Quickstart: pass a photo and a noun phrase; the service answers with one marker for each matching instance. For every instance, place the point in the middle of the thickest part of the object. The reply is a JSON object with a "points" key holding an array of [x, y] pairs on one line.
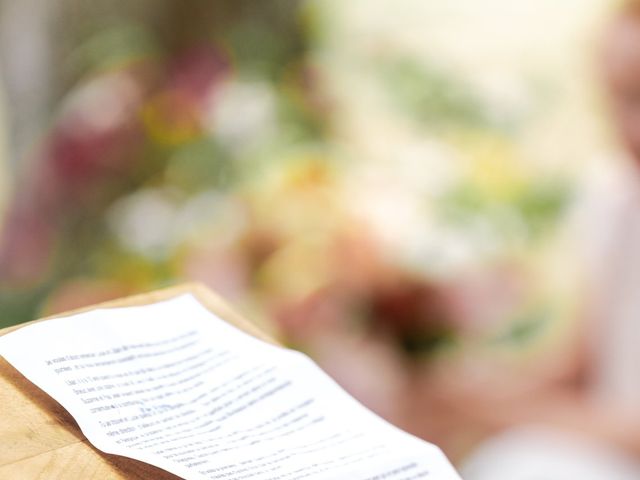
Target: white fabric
{"points": [[543, 454], [609, 231]]}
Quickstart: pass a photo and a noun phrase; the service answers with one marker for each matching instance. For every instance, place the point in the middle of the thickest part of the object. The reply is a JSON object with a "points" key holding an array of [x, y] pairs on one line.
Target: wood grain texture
{"points": [[40, 440]]}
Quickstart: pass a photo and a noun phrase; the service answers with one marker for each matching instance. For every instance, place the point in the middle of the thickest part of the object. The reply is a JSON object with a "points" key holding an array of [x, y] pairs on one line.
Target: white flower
{"points": [[241, 113]]}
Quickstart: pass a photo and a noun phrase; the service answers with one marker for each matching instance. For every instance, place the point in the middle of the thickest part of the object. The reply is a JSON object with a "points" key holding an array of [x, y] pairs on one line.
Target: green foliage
{"points": [[422, 344], [199, 165], [526, 327], [434, 98], [114, 46], [527, 214]]}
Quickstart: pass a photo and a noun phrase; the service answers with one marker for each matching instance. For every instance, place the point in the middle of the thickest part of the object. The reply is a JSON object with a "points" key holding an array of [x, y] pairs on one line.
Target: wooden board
{"points": [[40, 440]]}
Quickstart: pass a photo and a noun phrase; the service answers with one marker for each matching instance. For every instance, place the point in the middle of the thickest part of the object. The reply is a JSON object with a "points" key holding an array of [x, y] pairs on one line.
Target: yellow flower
{"points": [[170, 118], [493, 167]]}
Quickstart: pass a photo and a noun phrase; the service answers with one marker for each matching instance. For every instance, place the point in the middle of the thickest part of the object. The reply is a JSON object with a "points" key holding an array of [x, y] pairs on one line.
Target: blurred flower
{"points": [[352, 185], [225, 270], [26, 244], [96, 128], [174, 114], [80, 292], [144, 222], [413, 312], [172, 118], [242, 114], [482, 300]]}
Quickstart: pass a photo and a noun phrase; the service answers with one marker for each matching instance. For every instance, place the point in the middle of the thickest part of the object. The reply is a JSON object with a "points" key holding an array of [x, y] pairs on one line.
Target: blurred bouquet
{"points": [[366, 206]]}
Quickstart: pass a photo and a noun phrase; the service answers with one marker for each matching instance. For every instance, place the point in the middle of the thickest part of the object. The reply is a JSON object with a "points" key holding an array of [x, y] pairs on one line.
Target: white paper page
{"points": [[172, 385]]}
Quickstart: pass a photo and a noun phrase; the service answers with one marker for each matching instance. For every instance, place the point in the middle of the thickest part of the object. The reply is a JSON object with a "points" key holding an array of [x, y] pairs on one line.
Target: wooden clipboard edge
{"points": [[212, 301], [56, 457]]}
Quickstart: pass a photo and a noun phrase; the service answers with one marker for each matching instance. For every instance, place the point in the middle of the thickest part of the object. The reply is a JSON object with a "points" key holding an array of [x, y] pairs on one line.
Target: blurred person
{"points": [[587, 424]]}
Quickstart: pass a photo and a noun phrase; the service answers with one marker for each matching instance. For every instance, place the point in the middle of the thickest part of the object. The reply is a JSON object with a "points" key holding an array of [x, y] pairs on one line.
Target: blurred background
{"points": [[396, 188]]}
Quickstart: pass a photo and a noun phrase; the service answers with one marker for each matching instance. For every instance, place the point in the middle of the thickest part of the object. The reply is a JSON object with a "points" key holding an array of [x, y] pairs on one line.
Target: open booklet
{"points": [[173, 385]]}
